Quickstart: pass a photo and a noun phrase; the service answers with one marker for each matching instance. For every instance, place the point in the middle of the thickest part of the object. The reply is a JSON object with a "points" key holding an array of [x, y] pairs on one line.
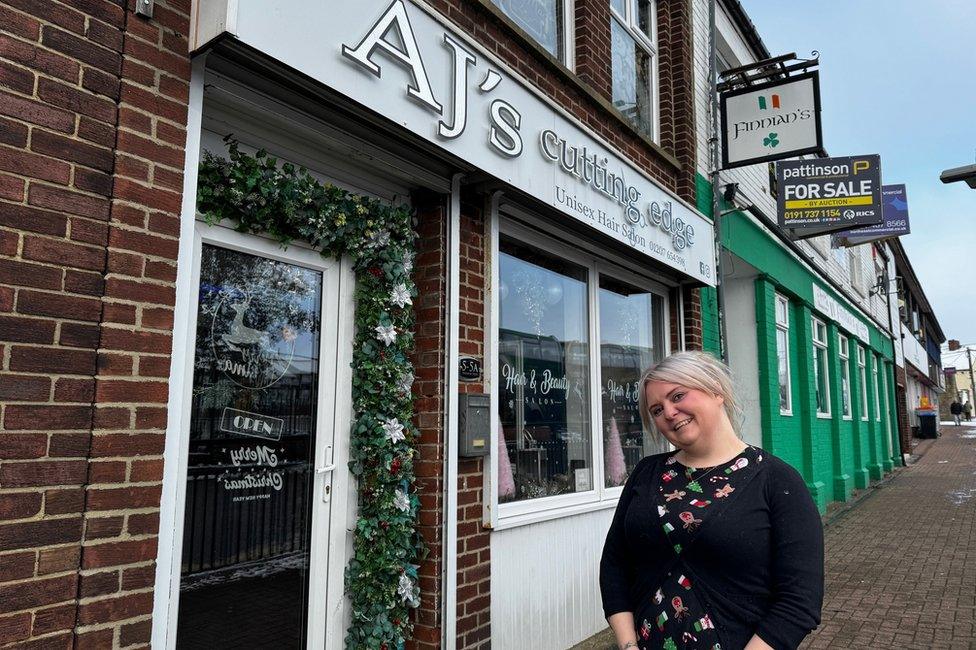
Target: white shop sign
{"points": [[400, 61], [826, 303]]}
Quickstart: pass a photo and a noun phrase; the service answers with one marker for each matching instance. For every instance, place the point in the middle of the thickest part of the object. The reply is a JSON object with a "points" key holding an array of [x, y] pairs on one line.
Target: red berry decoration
{"points": [[376, 272], [395, 466]]}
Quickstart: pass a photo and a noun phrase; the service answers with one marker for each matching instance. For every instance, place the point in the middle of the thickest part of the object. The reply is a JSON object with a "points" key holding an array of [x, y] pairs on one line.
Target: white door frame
{"points": [[326, 618]]}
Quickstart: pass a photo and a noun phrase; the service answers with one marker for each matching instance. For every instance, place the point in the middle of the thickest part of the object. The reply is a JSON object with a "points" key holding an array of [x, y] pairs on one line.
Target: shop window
{"points": [[544, 382], [554, 384], [631, 339], [877, 398], [783, 354], [863, 377], [544, 20], [821, 368], [845, 376], [633, 43], [855, 271]]}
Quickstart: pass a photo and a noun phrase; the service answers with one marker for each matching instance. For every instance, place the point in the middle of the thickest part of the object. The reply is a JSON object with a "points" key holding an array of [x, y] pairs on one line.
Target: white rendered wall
{"points": [[740, 308]]}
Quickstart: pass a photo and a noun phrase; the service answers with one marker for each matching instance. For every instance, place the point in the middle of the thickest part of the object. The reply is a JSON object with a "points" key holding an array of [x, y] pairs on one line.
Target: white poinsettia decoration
{"points": [[405, 383], [401, 501], [380, 239], [400, 296], [407, 263], [386, 333], [394, 430], [406, 589]]}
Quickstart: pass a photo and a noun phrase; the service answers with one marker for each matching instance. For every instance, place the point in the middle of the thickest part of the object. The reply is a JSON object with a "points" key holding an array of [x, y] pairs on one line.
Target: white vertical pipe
{"points": [[450, 501]]}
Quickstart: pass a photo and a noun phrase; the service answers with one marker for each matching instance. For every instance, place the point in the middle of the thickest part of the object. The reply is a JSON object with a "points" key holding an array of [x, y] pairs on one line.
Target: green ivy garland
{"points": [[260, 196]]}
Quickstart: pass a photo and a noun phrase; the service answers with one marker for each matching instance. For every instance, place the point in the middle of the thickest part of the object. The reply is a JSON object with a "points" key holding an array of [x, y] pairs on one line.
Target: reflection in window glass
{"points": [[631, 339], [543, 363], [541, 19], [644, 17], [845, 377], [631, 78], [820, 368], [783, 354]]}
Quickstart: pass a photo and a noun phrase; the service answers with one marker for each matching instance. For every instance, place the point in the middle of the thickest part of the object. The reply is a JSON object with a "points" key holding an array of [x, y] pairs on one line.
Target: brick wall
{"points": [[488, 25], [93, 115], [428, 391], [473, 549]]}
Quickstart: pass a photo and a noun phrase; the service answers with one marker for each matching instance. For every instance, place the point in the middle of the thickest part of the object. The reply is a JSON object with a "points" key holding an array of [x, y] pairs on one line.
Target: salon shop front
{"points": [[331, 479]]}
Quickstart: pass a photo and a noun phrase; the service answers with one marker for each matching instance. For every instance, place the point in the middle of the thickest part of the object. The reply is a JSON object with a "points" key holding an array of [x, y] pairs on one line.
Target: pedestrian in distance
{"points": [[956, 410], [967, 410], [717, 544]]}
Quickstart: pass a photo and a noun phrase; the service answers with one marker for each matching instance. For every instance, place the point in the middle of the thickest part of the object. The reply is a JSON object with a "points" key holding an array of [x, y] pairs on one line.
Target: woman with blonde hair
{"points": [[717, 544]]}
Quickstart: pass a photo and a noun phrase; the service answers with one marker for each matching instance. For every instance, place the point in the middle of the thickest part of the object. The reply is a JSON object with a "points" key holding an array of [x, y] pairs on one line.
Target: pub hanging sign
{"points": [[771, 121]]}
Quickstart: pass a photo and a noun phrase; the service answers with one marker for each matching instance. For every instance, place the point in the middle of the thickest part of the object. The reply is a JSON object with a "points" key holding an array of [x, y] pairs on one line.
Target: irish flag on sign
{"points": [[704, 623]]}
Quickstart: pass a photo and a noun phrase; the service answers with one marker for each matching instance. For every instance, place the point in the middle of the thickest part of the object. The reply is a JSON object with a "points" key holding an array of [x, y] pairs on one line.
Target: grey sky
{"points": [[897, 79]]}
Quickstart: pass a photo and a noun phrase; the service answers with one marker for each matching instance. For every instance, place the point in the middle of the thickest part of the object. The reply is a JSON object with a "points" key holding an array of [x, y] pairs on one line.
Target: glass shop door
{"points": [[254, 496]]}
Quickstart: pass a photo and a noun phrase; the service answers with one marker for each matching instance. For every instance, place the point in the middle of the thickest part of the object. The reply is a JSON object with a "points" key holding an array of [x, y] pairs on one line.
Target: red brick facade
{"points": [[428, 390], [93, 110], [93, 128]]}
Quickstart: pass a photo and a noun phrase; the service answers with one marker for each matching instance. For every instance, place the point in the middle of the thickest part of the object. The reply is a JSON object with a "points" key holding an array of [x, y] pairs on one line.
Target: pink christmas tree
{"points": [[506, 483], [615, 464]]}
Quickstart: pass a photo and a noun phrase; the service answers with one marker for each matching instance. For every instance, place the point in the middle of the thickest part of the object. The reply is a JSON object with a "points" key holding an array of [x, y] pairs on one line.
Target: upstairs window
{"points": [[546, 21], [633, 44]]}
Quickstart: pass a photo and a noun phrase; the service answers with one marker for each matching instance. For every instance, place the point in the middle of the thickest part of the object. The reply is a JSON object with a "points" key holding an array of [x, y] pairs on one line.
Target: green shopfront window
{"points": [[821, 369], [845, 376], [631, 339], [544, 375]]}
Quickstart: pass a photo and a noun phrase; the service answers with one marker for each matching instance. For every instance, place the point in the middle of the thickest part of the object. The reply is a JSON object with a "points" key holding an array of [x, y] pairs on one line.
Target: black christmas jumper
{"points": [[752, 565]]}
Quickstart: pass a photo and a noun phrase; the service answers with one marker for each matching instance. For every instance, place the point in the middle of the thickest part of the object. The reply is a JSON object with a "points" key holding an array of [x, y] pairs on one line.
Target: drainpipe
{"points": [[716, 177], [450, 499]]}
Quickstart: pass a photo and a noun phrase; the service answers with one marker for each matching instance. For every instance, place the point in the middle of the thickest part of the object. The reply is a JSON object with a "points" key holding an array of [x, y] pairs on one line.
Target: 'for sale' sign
{"points": [[825, 195]]}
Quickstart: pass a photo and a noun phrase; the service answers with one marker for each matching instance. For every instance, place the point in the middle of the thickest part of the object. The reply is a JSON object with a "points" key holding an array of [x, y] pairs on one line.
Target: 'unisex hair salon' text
{"points": [[592, 170]]}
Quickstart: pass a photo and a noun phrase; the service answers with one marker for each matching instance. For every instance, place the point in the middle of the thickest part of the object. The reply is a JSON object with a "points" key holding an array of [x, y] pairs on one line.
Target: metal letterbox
{"points": [[474, 431]]}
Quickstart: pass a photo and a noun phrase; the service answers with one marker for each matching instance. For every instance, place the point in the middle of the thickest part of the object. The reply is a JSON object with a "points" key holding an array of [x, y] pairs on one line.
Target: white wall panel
{"points": [[545, 582]]}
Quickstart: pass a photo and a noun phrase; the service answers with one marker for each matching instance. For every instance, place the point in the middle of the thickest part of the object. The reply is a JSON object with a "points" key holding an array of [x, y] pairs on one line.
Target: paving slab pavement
{"points": [[901, 557], [901, 563]]}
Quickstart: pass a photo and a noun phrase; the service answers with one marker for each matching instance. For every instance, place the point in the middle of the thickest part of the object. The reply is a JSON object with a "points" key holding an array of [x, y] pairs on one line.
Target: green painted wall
{"points": [[834, 454]]}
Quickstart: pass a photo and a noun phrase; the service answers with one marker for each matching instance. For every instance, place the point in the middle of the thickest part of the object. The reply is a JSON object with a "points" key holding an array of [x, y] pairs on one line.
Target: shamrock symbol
{"points": [[771, 140]]}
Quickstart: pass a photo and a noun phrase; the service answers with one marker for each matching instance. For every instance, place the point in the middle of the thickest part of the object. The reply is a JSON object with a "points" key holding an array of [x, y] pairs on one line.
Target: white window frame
{"points": [[568, 34], [599, 497], [649, 44], [821, 344], [877, 394], [863, 375], [844, 352], [783, 325]]}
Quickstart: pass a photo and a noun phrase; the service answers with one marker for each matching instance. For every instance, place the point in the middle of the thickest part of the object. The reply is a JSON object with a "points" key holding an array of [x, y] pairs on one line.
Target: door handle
{"points": [[326, 469]]}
